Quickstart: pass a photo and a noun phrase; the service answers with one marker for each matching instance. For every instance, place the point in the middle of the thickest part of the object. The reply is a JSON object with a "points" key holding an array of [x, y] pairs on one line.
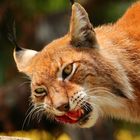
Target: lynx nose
{"points": [[64, 107]]}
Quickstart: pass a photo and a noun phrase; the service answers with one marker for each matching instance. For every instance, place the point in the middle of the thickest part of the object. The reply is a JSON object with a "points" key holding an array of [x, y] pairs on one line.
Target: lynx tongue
{"points": [[70, 117]]}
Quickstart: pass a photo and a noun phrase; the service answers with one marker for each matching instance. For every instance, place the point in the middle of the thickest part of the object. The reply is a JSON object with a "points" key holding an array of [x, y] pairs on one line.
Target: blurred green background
{"points": [[38, 22]]}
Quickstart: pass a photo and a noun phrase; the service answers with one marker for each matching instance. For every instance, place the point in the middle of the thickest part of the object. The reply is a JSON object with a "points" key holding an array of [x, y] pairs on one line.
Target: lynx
{"points": [[89, 73]]}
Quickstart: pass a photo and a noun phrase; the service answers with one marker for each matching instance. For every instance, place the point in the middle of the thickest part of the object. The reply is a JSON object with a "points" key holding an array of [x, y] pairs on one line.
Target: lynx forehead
{"points": [[88, 73]]}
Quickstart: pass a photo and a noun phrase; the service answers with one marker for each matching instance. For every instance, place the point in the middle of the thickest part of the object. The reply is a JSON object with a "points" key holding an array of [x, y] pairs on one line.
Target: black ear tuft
{"points": [[12, 36], [72, 2]]}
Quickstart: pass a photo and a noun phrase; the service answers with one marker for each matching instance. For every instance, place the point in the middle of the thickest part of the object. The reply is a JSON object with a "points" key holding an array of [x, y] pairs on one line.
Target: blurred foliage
{"points": [[31, 7], [117, 9], [122, 134], [125, 134], [64, 136], [36, 135]]}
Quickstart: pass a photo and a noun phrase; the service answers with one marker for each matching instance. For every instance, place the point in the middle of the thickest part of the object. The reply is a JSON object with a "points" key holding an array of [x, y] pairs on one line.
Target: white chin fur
{"points": [[91, 121]]}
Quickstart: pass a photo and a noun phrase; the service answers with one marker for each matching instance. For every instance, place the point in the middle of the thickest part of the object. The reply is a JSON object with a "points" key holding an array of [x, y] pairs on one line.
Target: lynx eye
{"points": [[40, 92], [67, 71]]}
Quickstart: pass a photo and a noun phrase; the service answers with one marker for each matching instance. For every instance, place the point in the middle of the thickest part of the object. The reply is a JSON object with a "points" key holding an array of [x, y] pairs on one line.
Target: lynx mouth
{"points": [[79, 116]]}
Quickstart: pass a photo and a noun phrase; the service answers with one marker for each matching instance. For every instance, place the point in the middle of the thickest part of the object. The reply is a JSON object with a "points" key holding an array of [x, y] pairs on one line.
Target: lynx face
{"points": [[71, 79]]}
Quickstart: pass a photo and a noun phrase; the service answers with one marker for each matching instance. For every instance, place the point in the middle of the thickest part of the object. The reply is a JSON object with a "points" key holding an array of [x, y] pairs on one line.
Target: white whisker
{"points": [[32, 113], [22, 84]]}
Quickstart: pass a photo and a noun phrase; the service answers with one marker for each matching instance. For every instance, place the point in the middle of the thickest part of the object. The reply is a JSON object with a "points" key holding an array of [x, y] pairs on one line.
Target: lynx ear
{"points": [[22, 58], [81, 30]]}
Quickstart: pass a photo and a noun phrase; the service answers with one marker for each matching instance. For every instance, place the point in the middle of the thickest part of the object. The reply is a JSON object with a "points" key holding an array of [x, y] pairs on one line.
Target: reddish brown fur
{"points": [[125, 37], [127, 29], [114, 64]]}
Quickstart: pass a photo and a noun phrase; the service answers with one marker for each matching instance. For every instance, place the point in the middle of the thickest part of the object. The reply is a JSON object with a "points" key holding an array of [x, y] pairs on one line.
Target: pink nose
{"points": [[64, 107]]}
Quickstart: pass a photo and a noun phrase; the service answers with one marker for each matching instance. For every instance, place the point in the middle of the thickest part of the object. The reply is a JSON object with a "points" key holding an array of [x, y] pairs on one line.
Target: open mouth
{"points": [[80, 116]]}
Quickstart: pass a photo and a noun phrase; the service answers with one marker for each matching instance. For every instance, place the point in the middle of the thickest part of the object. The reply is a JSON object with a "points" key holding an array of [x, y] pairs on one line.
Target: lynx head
{"points": [[71, 80]]}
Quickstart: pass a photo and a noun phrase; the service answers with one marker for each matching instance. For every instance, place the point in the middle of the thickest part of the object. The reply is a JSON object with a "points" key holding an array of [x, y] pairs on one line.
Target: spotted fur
{"points": [[106, 72]]}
